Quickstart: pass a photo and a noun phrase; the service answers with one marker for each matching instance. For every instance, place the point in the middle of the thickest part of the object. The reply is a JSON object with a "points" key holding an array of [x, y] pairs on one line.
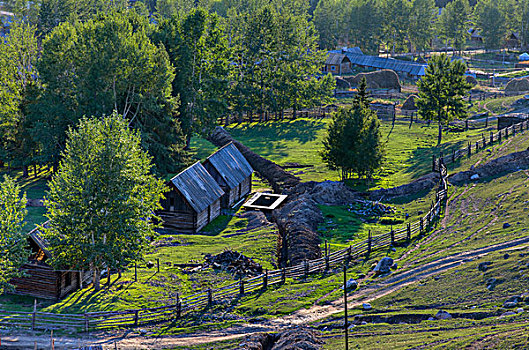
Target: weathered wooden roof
{"points": [[43, 244], [198, 187], [231, 165], [335, 58]]}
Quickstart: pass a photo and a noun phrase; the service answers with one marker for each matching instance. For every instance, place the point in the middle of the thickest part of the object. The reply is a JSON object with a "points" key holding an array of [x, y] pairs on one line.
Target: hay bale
{"points": [[517, 86], [409, 104], [381, 79], [470, 79], [342, 84]]}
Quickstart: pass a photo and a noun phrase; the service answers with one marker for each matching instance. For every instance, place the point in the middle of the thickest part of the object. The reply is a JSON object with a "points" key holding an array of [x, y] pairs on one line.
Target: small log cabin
{"points": [[42, 281], [232, 172], [193, 202]]}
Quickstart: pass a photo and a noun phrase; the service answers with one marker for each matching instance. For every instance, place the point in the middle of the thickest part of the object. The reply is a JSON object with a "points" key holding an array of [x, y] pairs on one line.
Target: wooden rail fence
{"points": [[486, 140], [204, 299]]}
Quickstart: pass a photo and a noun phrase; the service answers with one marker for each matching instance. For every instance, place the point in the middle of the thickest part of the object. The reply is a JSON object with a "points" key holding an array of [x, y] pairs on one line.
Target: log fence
{"points": [[472, 148], [205, 299]]}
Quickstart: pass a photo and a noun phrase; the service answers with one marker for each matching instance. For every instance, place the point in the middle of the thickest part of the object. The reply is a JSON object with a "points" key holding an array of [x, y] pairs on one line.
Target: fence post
{"points": [[433, 162], [265, 279], [135, 272], [499, 136], [484, 140], [477, 146], [349, 253], [136, 316], [392, 233], [487, 121], [453, 156], [491, 138], [408, 232], [241, 286], [34, 316], [469, 149], [326, 256], [306, 269], [178, 306], [86, 323], [421, 225], [283, 275], [158, 265], [514, 130], [369, 238], [466, 124], [210, 297]]}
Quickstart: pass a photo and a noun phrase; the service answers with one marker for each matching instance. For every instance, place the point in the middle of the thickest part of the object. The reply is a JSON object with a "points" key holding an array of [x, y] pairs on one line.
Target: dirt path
{"points": [[370, 292]]}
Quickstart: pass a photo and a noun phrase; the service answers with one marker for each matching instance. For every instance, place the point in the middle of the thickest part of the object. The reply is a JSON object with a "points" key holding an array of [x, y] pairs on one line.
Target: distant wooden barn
{"points": [[232, 172], [41, 279], [193, 201]]}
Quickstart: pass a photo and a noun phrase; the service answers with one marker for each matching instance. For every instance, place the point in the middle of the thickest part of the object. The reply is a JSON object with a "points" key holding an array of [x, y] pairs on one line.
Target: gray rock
{"points": [[366, 306], [511, 302], [394, 266], [508, 313], [383, 266], [519, 310], [393, 249], [363, 323], [351, 284], [443, 315], [474, 177], [506, 225], [431, 318], [484, 266], [506, 255]]}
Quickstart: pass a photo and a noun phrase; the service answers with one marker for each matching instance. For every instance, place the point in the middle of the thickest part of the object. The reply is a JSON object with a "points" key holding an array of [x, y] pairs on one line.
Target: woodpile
{"points": [[233, 262]]}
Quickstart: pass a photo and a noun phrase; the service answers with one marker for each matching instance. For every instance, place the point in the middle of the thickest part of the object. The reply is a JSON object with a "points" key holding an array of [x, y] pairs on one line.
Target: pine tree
{"points": [[353, 144]]}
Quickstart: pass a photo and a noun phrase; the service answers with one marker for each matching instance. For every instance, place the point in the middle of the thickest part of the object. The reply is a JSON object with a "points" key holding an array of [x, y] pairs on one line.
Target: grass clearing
{"points": [[409, 150]]}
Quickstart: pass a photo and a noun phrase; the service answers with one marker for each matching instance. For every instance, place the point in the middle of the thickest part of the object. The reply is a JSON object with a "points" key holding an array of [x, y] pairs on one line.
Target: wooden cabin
{"points": [[193, 202], [232, 172], [337, 63], [42, 281]]}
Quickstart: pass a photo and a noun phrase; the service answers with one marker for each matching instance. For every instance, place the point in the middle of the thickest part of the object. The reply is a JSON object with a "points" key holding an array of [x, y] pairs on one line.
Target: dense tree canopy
{"points": [[102, 65], [102, 199], [13, 238]]}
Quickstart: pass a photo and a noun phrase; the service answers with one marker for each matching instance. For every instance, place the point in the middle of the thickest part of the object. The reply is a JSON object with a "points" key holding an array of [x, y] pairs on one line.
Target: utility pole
{"points": [[345, 305]]}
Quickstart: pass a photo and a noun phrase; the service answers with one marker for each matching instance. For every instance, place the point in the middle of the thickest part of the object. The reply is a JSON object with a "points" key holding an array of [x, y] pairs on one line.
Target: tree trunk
{"points": [[440, 135], [35, 170], [97, 279], [25, 171]]}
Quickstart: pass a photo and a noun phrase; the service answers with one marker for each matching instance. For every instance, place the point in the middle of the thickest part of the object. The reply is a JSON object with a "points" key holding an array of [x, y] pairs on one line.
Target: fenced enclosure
{"points": [[201, 300]]}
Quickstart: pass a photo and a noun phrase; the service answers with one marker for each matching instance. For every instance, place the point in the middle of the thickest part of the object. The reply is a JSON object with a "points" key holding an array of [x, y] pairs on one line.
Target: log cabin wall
{"points": [[41, 281]]}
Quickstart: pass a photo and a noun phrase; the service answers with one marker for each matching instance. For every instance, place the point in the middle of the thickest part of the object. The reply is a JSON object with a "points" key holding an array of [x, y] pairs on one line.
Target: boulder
{"points": [[484, 266], [383, 266], [351, 285], [508, 313], [511, 302], [366, 306], [519, 310], [474, 177], [443, 315]]}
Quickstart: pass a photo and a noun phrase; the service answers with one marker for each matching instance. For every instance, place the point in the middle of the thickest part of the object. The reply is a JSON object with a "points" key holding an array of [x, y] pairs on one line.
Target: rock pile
{"points": [[233, 262], [301, 338]]}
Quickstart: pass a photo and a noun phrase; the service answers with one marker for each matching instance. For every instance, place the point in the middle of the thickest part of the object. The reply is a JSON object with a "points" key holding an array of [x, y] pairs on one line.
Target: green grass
{"points": [[408, 150]]}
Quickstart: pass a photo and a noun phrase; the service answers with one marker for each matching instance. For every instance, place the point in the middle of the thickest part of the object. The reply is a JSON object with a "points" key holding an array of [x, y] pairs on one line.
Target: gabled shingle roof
{"points": [[335, 58], [231, 165], [388, 63], [43, 244], [198, 187]]}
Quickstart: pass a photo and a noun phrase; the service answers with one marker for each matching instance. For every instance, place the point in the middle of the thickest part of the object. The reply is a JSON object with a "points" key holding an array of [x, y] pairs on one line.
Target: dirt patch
{"points": [[273, 173]]}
